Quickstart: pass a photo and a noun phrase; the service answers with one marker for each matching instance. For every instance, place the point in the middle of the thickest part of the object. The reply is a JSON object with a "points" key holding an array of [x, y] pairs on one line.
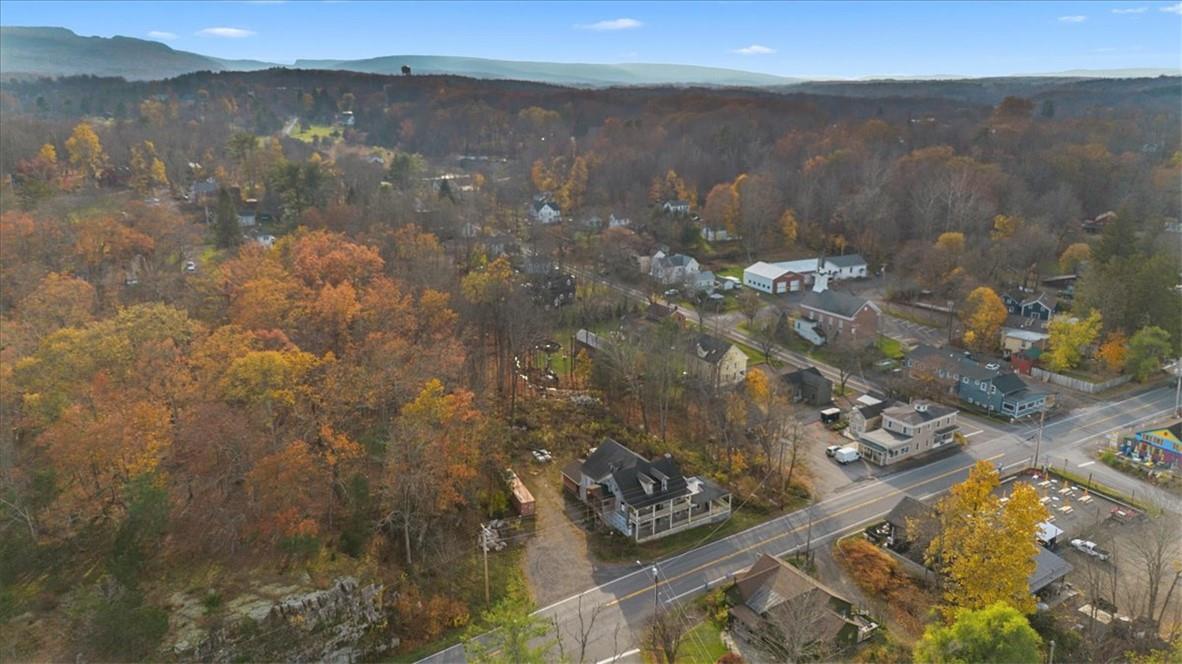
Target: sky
{"points": [[811, 39]]}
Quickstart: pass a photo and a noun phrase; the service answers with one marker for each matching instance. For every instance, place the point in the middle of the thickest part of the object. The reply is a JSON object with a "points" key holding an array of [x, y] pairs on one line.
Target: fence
{"points": [[1078, 383]]}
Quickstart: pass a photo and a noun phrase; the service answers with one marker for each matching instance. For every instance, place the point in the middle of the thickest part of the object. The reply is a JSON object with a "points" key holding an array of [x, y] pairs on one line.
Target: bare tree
{"points": [[586, 625], [664, 633], [1156, 552], [798, 627]]}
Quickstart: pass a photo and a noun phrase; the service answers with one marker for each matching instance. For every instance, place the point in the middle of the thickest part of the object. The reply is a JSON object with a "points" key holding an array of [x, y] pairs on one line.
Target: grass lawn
{"points": [[615, 548], [890, 348], [313, 131], [702, 644], [732, 271]]}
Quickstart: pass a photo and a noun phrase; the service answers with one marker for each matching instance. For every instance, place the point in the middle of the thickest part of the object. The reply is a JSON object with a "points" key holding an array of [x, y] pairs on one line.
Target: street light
{"points": [[656, 589]]}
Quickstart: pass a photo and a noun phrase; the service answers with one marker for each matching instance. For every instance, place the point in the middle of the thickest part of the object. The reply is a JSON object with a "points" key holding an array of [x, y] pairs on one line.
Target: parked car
{"points": [[190, 266], [832, 450], [1090, 548], [542, 456], [672, 292], [846, 455], [993, 366]]}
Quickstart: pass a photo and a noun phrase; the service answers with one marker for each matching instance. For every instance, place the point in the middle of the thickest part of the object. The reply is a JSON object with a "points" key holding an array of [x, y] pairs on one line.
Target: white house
{"points": [[674, 269], [618, 222], [545, 211], [676, 207], [852, 266], [715, 234]]}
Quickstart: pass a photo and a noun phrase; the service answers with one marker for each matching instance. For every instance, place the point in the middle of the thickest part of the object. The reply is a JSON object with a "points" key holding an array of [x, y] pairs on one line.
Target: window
{"points": [[984, 387]]}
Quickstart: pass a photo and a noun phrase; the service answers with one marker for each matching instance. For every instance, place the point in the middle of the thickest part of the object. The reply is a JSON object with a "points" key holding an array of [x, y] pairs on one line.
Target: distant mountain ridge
{"points": [[50, 51], [563, 73]]}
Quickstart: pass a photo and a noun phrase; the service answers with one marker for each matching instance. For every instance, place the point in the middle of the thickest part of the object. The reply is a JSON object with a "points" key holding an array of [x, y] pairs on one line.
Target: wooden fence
{"points": [[1078, 383]]}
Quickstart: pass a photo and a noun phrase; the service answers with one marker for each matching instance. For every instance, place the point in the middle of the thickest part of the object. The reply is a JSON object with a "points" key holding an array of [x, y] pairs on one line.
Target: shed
{"points": [[519, 494], [830, 415]]}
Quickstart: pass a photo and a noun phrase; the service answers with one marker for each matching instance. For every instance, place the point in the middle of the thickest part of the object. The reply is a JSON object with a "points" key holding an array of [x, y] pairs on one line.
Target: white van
{"points": [[846, 455]]}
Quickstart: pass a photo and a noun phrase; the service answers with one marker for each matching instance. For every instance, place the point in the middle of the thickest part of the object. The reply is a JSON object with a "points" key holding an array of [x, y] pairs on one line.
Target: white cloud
{"points": [[1173, 9], [613, 24], [161, 34], [1130, 10], [1072, 19], [228, 33], [755, 49]]}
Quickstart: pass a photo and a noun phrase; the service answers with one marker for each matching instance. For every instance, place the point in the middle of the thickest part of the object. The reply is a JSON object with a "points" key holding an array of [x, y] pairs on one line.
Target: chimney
{"points": [[921, 406]]}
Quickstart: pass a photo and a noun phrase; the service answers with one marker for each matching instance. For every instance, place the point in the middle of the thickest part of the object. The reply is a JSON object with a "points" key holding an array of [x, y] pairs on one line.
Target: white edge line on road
{"points": [[1085, 465], [614, 658], [1023, 462], [970, 435]]}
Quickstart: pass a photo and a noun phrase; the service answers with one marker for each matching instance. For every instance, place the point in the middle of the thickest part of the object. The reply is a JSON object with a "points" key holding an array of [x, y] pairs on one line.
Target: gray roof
{"points": [[1009, 383], [908, 413], [834, 302], [849, 260], [608, 456], [1048, 568], [909, 508], [873, 410], [711, 349], [632, 491]]}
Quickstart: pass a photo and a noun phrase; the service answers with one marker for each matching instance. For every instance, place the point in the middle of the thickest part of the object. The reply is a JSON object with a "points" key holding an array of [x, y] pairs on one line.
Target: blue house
{"points": [[984, 386], [1040, 305], [1002, 393]]}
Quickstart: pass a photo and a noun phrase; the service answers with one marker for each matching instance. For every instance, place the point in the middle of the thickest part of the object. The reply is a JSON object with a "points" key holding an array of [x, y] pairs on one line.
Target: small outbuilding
{"points": [[519, 494]]}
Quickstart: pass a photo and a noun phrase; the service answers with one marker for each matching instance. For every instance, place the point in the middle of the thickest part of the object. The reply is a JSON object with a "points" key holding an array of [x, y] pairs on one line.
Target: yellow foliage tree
{"points": [[986, 548], [983, 315], [1069, 336], [789, 226], [85, 150], [1004, 227], [48, 153], [1073, 255], [1114, 352], [951, 242]]}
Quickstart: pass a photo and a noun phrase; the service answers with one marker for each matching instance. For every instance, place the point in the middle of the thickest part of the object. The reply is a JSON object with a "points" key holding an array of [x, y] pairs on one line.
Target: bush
{"points": [[878, 574], [126, 629]]}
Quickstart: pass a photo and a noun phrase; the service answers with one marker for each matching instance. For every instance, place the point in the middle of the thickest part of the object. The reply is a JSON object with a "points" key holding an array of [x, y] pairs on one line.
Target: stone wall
{"points": [[342, 623]]}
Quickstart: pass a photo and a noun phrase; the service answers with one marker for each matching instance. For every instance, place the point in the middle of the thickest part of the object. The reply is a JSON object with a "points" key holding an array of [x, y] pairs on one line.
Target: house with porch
{"points": [[673, 270], [545, 211], [643, 500], [908, 430]]}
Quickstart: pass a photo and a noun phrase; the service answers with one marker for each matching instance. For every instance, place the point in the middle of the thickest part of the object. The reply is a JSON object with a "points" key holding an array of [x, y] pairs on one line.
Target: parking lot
{"points": [[1132, 541], [911, 333]]}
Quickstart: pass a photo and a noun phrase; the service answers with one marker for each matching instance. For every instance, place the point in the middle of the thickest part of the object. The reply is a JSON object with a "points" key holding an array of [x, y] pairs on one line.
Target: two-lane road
{"points": [[624, 604]]}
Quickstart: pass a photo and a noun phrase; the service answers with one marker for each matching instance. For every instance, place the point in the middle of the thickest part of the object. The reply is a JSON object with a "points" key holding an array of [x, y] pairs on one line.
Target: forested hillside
{"points": [[191, 402]]}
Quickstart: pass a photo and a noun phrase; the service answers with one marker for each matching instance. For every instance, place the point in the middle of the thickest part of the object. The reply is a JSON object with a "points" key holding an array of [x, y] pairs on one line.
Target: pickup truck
{"points": [[1090, 548]]}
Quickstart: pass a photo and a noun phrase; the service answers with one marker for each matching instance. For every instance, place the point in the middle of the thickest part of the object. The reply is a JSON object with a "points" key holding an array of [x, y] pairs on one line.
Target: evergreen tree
{"points": [[227, 233]]}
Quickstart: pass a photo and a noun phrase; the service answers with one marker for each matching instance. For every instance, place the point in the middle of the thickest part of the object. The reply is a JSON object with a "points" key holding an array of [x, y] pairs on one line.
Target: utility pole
{"points": [[808, 543], [1178, 388], [1051, 654], [1042, 415], [485, 538]]}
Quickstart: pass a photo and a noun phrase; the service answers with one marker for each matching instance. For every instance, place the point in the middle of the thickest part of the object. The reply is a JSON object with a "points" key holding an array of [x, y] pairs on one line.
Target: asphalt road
{"points": [[621, 606]]}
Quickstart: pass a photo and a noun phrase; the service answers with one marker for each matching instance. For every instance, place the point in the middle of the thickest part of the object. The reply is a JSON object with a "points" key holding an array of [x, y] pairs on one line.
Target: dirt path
{"points": [[557, 561]]}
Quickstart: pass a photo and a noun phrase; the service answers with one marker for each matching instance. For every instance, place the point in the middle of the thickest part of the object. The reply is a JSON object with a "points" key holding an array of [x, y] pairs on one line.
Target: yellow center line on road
{"points": [[893, 492]]}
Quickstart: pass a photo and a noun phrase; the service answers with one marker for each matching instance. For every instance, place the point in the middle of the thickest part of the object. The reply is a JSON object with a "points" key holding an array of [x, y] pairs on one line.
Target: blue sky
{"points": [[836, 39]]}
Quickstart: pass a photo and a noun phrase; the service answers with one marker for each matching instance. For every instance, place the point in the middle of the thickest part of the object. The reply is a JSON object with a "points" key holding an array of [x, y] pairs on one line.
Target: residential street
{"points": [[628, 600]]}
